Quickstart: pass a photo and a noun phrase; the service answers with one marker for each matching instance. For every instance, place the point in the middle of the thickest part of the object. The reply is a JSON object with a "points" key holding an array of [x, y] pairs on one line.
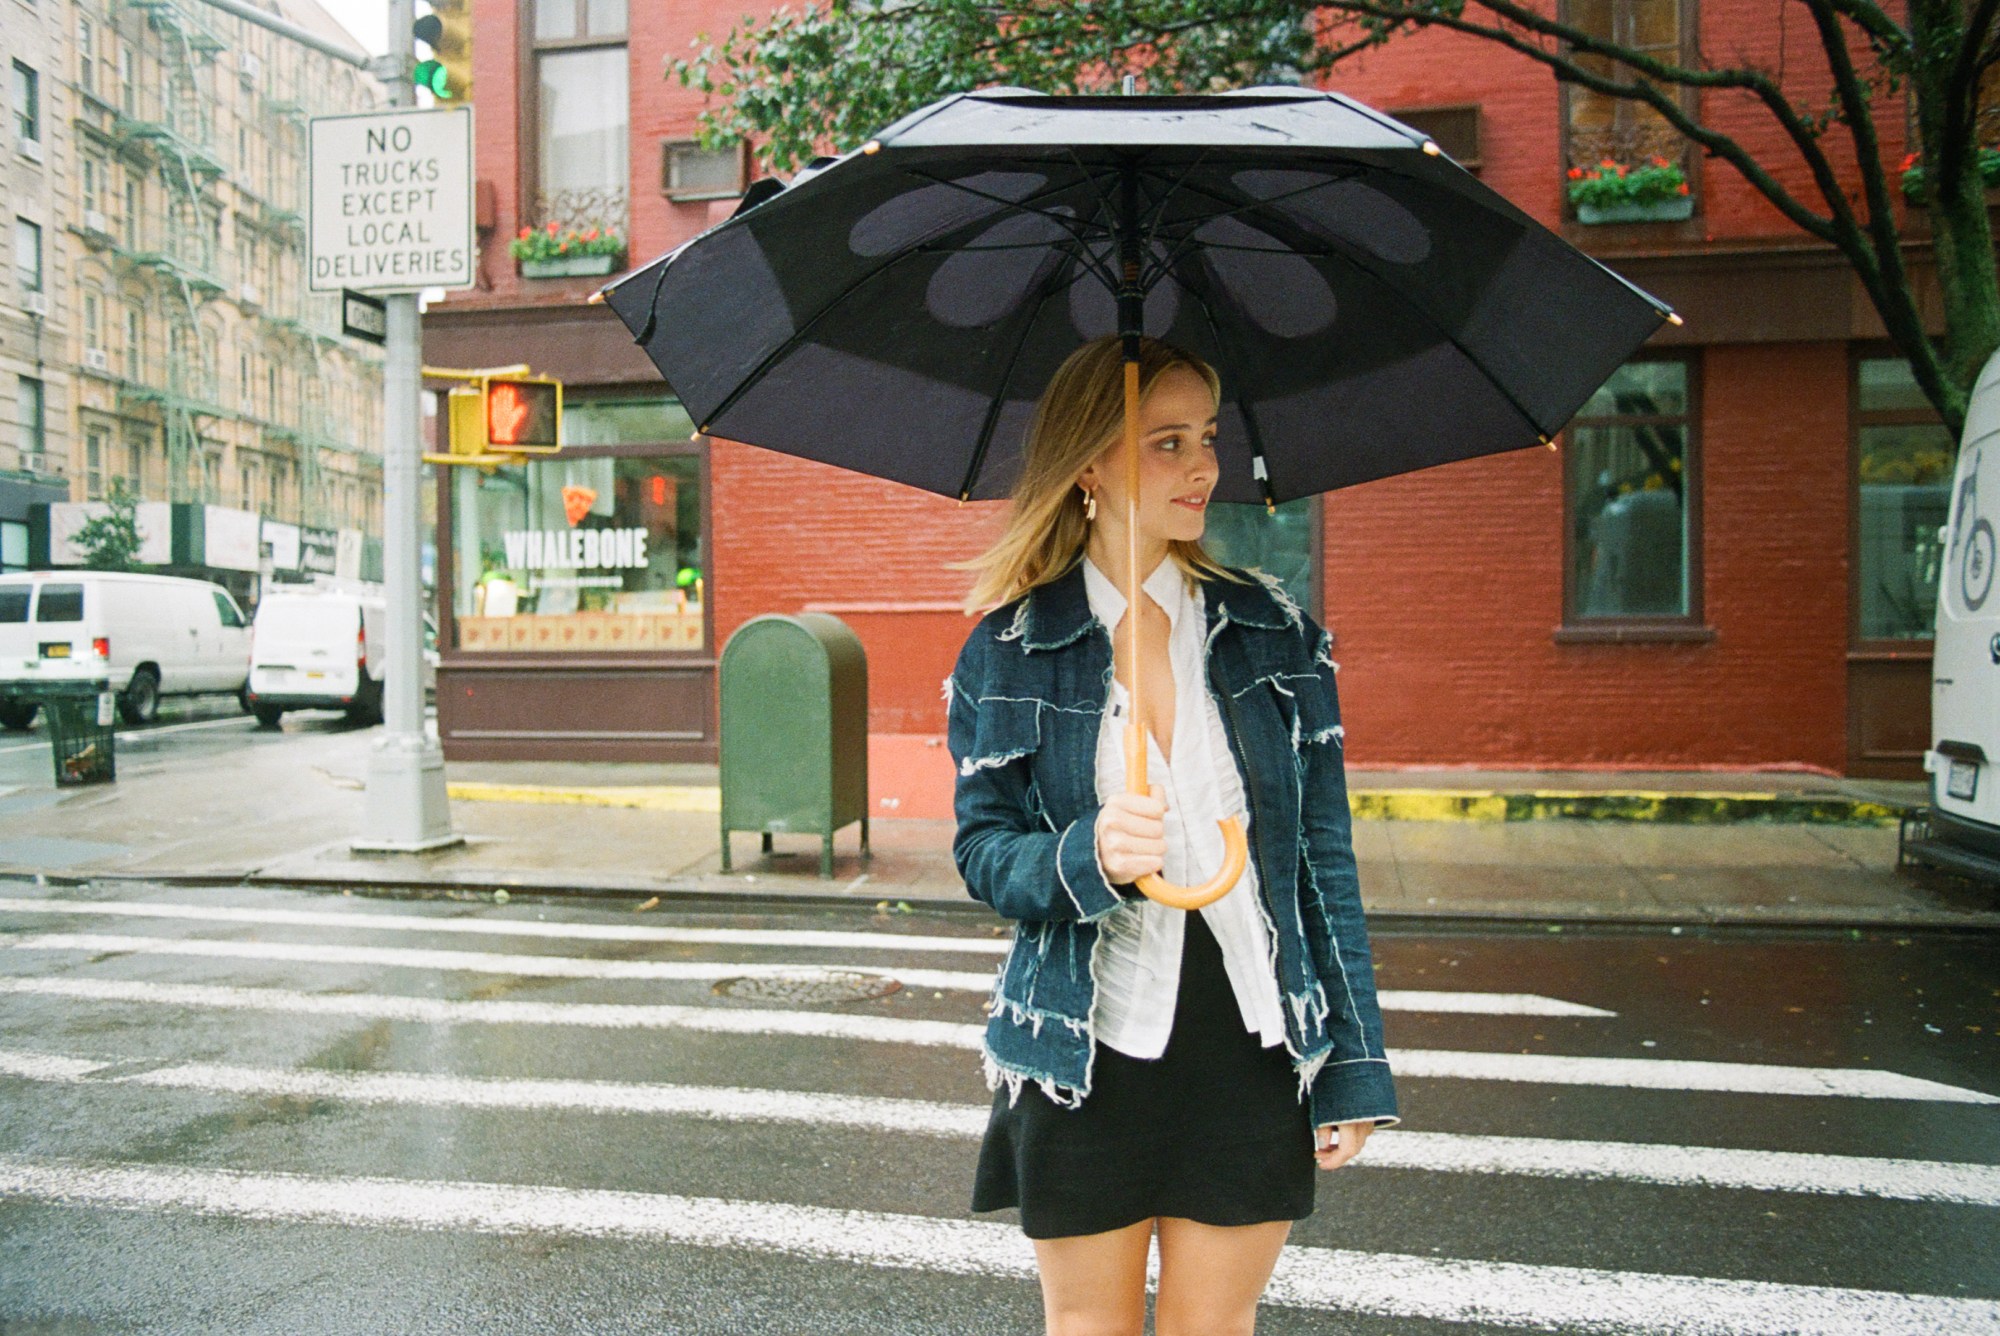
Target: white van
{"points": [[317, 651], [148, 635], [1963, 832]]}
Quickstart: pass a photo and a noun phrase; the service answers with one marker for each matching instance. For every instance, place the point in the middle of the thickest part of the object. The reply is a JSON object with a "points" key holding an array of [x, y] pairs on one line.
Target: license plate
{"points": [[55, 651], [1963, 780]]}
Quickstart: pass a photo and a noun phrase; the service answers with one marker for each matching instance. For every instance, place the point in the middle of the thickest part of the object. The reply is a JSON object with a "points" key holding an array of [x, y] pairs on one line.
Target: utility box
{"points": [[794, 731]]}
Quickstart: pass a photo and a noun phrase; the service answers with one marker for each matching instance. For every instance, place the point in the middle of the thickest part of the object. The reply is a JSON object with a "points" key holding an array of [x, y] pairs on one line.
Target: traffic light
{"points": [[506, 415], [447, 31]]}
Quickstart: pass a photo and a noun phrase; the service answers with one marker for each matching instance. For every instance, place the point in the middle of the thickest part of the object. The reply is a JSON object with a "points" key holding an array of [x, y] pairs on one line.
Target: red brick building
{"points": [[1723, 565]]}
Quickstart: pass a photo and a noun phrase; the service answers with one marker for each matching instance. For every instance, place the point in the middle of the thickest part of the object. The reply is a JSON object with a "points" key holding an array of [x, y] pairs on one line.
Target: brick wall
{"points": [[1445, 588]]}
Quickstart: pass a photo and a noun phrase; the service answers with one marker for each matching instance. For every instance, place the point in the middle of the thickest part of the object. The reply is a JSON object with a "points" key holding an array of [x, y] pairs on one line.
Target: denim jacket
{"points": [[1026, 702]]}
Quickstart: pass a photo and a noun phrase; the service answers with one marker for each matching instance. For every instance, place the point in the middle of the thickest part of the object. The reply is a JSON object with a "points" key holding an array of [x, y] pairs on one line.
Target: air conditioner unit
{"points": [[31, 149], [250, 67], [94, 222], [96, 359], [38, 303]]}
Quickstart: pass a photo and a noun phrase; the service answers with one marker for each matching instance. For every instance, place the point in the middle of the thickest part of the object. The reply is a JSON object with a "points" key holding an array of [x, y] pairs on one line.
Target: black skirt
{"points": [[1211, 1131]]}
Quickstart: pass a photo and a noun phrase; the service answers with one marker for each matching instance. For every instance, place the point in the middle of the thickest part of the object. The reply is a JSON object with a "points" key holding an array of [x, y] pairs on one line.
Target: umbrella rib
{"points": [[770, 359], [1261, 464], [1442, 330], [1188, 239], [1077, 228], [978, 462]]}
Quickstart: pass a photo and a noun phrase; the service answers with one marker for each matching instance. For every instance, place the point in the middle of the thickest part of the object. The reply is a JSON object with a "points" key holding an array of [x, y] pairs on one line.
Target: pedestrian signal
{"points": [[523, 415], [504, 417]]}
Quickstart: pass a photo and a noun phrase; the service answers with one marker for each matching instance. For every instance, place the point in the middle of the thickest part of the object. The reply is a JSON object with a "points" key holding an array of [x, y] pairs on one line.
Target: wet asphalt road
{"points": [[166, 1164], [188, 729]]}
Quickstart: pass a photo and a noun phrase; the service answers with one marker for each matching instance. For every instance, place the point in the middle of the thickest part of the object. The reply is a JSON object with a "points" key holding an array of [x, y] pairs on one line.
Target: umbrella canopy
{"points": [[1370, 307]]}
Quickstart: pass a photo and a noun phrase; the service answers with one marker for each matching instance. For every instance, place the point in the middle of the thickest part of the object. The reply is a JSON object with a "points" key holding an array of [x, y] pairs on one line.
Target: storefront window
{"points": [[1279, 544], [1903, 492], [1629, 480], [580, 553]]}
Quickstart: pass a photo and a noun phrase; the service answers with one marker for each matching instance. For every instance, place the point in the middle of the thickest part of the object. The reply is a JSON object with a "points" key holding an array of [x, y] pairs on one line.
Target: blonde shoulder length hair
{"points": [[1081, 415]]}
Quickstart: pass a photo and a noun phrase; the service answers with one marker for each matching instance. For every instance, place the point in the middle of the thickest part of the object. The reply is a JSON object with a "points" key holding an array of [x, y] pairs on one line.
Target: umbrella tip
{"points": [[1674, 318], [1548, 442], [1430, 147], [872, 147], [595, 299]]}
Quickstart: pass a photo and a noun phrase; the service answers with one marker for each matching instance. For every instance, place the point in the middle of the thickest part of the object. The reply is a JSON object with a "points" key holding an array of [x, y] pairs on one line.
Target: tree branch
{"points": [[1873, 21], [1569, 71]]}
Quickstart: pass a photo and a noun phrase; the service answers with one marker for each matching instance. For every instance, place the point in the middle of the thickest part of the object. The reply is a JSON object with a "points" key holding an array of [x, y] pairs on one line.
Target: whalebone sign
{"points": [[391, 207]]}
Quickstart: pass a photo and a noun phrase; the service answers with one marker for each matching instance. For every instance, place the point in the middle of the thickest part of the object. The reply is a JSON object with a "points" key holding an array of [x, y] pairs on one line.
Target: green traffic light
{"points": [[434, 77]]}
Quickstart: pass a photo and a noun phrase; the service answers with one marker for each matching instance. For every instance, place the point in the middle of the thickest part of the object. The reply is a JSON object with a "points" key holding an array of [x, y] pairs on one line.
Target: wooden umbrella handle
{"points": [[1235, 849]]}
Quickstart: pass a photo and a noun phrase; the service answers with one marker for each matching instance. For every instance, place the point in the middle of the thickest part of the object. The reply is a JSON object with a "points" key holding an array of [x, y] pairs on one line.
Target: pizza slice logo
{"points": [[577, 502]]}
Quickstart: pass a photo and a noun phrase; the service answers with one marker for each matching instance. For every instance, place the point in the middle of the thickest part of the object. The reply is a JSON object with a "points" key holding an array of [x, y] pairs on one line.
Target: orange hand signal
{"points": [[507, 411]]}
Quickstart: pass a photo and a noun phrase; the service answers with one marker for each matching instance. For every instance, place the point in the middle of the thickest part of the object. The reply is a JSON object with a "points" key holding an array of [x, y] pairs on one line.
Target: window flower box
{"points": [[1616, 192], [568, 266], [1637, 211], [557, 251]]}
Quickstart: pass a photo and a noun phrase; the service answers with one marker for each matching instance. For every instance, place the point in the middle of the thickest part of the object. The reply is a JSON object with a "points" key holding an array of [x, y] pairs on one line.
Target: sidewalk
{"points": [[1775, 849]]}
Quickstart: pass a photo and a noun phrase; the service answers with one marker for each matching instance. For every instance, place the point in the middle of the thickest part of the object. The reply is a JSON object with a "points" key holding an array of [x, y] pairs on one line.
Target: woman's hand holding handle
{"points": [[1335, 1145], [1132, 836]]}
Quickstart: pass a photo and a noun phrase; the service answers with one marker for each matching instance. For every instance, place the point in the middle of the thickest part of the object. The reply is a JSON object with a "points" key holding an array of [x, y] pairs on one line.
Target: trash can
{"points": [[80, 717], [794, 731]]}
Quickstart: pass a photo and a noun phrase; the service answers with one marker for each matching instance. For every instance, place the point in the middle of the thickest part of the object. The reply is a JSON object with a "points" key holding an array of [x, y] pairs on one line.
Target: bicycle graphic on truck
{"points": [[1975, 571]]}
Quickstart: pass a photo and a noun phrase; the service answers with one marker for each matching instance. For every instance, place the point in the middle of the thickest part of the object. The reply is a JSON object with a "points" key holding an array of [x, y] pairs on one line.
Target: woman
{"points": [[1156, 1071]]}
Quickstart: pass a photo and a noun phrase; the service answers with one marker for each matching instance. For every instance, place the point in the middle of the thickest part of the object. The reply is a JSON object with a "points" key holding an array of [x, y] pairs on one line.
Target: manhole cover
{"points": [[809, 987]]}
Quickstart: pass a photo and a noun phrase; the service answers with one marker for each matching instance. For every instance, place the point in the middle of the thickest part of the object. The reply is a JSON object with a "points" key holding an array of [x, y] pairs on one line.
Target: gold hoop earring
{"points": [[1089, 505]]}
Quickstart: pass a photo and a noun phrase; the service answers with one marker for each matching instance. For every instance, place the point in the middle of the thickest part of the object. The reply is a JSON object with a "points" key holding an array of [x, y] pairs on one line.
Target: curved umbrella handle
{"points": [[1235, 854]]}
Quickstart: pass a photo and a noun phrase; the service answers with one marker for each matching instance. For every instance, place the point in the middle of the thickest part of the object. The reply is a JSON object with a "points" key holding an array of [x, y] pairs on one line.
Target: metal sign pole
{"points": [[407, 810]]}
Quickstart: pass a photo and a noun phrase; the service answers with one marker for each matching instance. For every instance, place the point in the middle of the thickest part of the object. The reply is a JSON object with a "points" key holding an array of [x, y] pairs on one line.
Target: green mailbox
{"points": [[794, 731]]}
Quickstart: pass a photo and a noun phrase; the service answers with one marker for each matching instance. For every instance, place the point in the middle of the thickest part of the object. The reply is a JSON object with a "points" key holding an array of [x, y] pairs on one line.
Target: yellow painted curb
{"points": [[1426, 805], [650, 798]]}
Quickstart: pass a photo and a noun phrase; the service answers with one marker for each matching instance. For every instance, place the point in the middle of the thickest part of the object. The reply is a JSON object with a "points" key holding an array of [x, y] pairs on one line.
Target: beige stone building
{"points": [[155, 323]]}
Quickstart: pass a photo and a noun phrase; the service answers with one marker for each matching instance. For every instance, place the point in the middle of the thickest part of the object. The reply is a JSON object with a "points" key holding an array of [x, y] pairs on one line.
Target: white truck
{"points": [[147, 635], [1960, 831]]}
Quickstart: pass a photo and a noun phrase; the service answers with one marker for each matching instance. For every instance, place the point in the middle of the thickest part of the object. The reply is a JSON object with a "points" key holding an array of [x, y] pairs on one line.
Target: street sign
{"points": [[364, 317], [391, 201]]}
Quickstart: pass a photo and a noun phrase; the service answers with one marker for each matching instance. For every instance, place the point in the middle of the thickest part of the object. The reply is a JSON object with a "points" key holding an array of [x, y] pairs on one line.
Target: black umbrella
{"points": [[1370, 306]]}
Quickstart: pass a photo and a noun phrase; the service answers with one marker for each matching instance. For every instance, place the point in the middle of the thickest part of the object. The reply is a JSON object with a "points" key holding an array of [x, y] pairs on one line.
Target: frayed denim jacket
{"points": [[1026, 702]]}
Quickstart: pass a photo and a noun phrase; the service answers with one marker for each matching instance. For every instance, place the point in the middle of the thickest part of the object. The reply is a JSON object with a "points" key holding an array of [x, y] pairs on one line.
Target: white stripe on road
{"points": [[573, 967], [1749, 1078], [485, 962], [502, 927], [1437, 1152], [1494, 1293], [1640, 1073]]}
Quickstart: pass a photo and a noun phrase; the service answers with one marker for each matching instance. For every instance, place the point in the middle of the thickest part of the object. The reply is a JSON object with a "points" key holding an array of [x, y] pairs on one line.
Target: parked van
{"points": [[1961, 831], [317, 651], [148, 635]]}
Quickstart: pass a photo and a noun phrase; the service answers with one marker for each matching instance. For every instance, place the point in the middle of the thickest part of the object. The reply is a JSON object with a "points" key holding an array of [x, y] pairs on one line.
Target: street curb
{"points": [[651, 798], [1667, 808]]}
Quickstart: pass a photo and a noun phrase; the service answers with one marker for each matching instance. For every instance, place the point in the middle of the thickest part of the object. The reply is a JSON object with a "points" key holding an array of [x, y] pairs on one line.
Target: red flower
{"points": [[1576, 173], [1683, 188], [1910, 161], [1607, 162], [526, 232], [553, 227], [591, 235], [1659, 161]]}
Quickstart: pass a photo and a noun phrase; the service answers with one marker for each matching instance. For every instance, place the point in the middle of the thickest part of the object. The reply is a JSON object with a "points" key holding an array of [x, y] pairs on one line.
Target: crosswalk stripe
{"points": [[574, 967], [1548, 1069], [1437, 1152], [1394, 999], [504, 927], [1326, 1279]]}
